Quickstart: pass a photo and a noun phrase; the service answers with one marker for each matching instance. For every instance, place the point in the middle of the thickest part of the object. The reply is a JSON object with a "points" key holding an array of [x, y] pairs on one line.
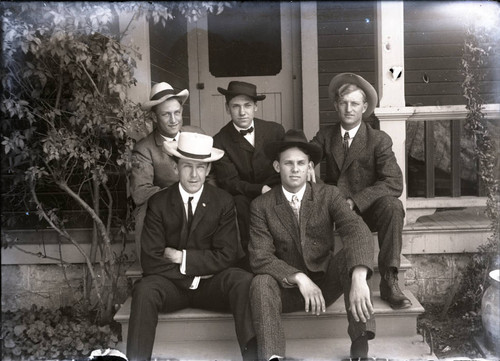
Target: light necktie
{"points": [[346, 143], [295, 206], [190, 213]]}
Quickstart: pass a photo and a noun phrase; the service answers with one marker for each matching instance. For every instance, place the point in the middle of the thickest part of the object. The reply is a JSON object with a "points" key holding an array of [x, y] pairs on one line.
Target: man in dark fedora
{"points": [[361, 163], [189, 249], [152, 168], [292, 251], [245, 171]]}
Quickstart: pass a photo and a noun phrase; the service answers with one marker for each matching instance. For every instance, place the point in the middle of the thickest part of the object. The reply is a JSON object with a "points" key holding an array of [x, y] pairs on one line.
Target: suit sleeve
{"points": [[261, 248], [389, 176], [228, 177], [224, 249], [356, 237], [153, 243], [142, 176]]}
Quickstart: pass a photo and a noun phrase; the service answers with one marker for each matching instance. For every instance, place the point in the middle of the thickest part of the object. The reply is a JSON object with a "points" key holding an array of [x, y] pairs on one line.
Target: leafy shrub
{"points": [[40, 334]]}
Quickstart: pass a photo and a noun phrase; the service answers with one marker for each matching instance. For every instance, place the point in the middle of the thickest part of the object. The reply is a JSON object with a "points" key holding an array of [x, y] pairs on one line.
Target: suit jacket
{"points": [[275, 236], [370, 170], [212, 244], [245, 169], [152, 168]]}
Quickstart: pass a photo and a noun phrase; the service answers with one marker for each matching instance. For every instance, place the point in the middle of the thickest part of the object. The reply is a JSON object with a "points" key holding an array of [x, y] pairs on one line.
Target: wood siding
{"points": [[434, 39]]}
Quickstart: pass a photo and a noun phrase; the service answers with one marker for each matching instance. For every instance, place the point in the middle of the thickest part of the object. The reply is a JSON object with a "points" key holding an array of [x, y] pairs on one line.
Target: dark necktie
{"points": [[346, 142], [190, 213], [246, 131]]}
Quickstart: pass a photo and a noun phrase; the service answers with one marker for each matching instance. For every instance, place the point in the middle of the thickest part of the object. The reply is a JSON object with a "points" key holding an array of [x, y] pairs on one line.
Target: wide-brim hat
{"points": [[194, 146], [161, 92], [294, 138], [241, 88], [345, 78]]}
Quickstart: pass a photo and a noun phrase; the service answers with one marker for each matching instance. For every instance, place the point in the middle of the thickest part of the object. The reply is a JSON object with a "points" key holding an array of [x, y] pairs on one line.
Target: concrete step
{"points": [[326, 349], [196, 325]]}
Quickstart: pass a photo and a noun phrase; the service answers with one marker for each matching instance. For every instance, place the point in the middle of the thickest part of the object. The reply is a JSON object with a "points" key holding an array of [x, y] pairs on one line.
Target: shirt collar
{"points": [[238, 128], [168, 138], [299, 194], [352, 132], [185, 195]]}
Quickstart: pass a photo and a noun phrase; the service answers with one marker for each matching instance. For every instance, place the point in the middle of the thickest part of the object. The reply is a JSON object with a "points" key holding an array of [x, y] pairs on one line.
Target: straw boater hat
{"points": [[161, 92], [344, 78], [194, 146], [294, 138], [241, 88]]}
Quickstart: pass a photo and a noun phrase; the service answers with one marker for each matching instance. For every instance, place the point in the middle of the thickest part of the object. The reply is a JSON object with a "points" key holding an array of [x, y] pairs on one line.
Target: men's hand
{"points": [[351, 203], [265, 189], [173, 255], [360, 304], [311, 175], [312, 294]]}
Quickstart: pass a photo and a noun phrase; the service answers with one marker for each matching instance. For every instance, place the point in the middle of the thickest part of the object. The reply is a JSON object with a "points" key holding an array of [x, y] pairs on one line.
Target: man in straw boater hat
{"points": [[292, 251], [245, 171], [189, 247], [152, 168], [360, 161]]}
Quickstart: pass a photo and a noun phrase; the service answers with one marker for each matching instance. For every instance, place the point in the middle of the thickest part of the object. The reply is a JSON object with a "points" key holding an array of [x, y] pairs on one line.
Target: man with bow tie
{"points": [[189, 249], [245, 171], [360, 161]]}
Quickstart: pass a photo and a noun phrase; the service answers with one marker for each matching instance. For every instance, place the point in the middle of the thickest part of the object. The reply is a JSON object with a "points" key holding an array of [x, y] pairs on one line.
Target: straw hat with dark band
{"points": [[161, 92]]}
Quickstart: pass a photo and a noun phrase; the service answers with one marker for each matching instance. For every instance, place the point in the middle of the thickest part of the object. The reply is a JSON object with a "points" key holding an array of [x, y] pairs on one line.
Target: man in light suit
{"points": [[292, 251], [360, 161], [189, 247], [152, 168], [245, 171]]}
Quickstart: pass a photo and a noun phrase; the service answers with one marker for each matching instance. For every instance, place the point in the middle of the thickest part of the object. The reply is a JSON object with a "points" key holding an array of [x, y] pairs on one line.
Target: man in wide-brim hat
{"points": [[292, 251], [189, 247], [152, 168], [245, 171], [360, 161]]}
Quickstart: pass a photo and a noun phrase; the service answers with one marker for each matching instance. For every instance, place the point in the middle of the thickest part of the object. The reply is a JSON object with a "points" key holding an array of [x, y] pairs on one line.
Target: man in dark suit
{"points": [[292, 251], [360, 161], [189, 246], [245, 171], [152, 168]]}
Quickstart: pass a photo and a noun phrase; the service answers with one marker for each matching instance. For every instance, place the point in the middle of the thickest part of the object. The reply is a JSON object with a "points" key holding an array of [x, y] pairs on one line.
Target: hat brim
{"points": [[182, 95], [226, 92], [344, 78], [171, 149], [272, 149]]}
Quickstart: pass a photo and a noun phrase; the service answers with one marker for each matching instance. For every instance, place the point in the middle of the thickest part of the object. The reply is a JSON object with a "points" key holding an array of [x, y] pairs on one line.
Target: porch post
{"points": [[310, 81], [138, 36], [391, 84]]}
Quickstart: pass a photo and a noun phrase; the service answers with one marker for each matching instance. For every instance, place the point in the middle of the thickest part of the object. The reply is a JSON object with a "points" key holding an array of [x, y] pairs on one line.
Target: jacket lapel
{"points": [[337, 147], [357, 145], [201, 210], [179, 214], [305, 210], [287, 218]]}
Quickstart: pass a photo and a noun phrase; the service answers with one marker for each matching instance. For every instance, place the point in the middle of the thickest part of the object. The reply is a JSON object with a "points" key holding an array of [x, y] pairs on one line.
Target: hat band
{"points": [[192, 155], [161, 94]]}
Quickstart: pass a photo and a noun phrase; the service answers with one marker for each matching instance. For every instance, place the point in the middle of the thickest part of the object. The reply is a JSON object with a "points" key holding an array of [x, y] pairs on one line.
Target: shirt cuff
{"points": [[183, 263]]}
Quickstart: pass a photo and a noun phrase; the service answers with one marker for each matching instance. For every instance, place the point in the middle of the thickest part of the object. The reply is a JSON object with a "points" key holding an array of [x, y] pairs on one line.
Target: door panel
{"points": [[207, 104]]}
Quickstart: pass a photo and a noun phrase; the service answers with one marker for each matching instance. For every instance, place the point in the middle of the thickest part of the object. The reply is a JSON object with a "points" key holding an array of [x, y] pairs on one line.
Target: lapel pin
{"points": [[203, 204]]}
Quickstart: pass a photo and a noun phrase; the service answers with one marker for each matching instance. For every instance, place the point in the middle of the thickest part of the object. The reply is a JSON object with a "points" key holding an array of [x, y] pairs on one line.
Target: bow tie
{"points": [[246, 131]]}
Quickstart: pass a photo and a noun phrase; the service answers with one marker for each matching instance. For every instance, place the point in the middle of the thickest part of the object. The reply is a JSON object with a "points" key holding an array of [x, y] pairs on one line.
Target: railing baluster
{"points": [[456, 133], [429, 159]]}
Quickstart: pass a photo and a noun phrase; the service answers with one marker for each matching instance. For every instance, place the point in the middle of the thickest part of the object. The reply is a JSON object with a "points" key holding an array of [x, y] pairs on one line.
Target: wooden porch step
{"points": [[326, 349], [196, 325]]}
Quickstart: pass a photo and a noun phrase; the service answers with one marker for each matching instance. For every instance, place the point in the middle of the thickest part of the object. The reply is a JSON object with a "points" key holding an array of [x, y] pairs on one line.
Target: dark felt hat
{"points": [[345, 78], [294, 138], [240, 88]]}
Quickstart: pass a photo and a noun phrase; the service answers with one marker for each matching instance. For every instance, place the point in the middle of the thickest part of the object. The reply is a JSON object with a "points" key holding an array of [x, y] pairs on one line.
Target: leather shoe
{"points": [[390, 291], [359, 347]]}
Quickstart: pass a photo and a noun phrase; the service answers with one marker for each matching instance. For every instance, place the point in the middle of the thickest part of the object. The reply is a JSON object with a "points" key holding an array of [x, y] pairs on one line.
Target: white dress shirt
{"points": [[194, 203], [250, 137], [352, 132]]}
